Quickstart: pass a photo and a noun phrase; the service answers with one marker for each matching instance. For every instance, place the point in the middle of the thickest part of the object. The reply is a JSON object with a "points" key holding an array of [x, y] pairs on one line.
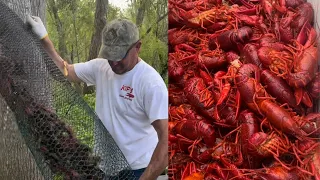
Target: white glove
{"points": [[37, 26]]}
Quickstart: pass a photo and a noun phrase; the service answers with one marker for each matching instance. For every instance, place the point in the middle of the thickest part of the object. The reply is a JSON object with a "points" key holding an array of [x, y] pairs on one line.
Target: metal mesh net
{"points": [[66, 138]]}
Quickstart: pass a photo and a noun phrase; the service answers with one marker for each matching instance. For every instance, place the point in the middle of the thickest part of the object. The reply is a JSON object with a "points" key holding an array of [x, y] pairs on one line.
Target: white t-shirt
{"points": [[127, 104]]}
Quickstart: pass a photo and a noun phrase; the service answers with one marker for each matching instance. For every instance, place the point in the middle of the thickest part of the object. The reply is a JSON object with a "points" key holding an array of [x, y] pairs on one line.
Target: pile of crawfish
{"points": [[244, 88], [61, 150]]}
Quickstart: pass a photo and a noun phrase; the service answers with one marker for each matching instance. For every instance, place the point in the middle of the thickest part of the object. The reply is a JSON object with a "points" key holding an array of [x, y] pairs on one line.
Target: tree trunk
{"points": [[62, 48], [16, 161], [99, 23], [141, 11]]}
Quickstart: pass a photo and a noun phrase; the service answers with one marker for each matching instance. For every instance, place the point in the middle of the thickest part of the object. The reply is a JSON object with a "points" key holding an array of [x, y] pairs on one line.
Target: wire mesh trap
{"points": [[65, 136]]}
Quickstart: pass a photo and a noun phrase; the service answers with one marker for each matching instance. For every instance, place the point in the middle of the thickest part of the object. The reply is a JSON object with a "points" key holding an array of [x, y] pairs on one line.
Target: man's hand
{"points": [[37, 26]]}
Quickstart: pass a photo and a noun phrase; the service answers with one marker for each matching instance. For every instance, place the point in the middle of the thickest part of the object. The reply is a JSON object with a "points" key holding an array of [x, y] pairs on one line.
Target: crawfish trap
{"points": [[64, 135]]}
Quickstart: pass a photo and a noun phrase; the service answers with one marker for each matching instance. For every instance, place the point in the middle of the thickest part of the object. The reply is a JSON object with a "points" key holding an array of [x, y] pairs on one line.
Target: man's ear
{"points": [[138, 46]]}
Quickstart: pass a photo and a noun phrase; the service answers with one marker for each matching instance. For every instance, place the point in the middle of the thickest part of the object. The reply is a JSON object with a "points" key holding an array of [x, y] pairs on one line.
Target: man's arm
{"points": [[39, 29], [62, 65], [159, 159]]}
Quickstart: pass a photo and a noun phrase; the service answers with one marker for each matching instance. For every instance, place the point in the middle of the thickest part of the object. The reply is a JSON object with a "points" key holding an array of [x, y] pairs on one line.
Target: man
{"points": [[131, 97]]}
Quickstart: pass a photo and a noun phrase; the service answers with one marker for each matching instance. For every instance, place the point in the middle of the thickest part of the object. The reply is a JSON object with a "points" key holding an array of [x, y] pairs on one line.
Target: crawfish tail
{"points": [[250, 52], [281, 119], [278, 88]]}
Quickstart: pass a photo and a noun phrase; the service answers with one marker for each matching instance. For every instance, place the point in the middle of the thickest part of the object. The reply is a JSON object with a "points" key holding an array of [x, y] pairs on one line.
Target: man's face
{"points": [[127, 62], [119, 67]]}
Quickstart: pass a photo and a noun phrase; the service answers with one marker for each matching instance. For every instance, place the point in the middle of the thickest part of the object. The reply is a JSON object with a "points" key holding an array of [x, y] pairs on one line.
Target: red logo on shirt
{"points": [[130, 95], [128, 90]]}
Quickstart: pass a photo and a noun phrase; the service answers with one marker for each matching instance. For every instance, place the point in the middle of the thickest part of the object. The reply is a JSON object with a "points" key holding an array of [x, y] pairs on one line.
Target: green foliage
{"points": [[154, 52], [90, 99], [73, 114], [77, 22], [154, 48], [77, 19], [113, 13]]}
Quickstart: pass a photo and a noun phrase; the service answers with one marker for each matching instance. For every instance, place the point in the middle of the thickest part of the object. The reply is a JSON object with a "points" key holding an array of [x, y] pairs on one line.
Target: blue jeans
{"points": [[129, 174], [138, 172]]}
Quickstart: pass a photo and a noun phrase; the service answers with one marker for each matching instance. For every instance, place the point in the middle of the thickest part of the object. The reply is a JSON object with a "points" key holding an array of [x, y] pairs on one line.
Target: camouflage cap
{"points": [[117, 38]]}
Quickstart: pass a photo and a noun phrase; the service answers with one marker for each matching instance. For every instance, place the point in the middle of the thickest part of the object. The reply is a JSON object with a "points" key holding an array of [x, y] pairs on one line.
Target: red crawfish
{"points": [[213, 169], [183, 36], [247, 80], [184, 111], [307, 35], [178, 143], [268, 145], [191, 173], [278, 88], [211, 83], [214, 83], [294, 3], [195, 129], [269, 40], [251, 18], [310, 124], [205, 59], [258, 100], [200, 153], [277, 172], [186, 5], [304, 68], [204, 19], [302, 95], [176, 165], [176, 95], [175, 69], [308, 155], [277, 61], [249, 126], [208, 79], [281, 119], [229, 95], [229, 150], [227, 107], [271, 7], [305, 14], [250, 52], [313, 87], [233, 170], [199, 96], [211, 59], [282, 28], [228, 40]]}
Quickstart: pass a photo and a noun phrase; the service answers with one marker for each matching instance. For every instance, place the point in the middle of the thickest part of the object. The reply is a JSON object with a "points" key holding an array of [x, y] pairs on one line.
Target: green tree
{"points": [[75, 28]]}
